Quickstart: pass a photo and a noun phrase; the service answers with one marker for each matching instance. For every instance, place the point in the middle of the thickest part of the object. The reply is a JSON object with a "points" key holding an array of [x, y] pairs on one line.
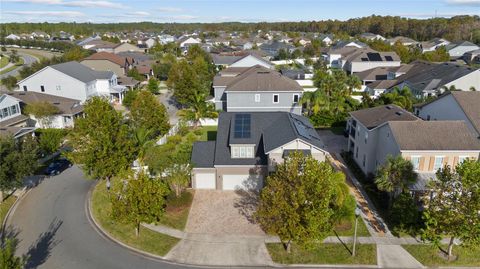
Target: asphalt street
{"points": [[53, 229], [27, 60]]}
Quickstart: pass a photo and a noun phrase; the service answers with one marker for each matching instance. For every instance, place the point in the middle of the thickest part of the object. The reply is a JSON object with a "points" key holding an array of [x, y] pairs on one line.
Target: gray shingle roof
{"points": [[376, 116], [203, 154], [65, 105], [81, 72], [269, 130], [470, 104], [433, 135]]}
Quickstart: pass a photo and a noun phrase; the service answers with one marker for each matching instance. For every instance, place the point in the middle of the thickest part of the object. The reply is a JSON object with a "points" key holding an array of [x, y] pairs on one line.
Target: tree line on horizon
{"points": [[456, 28]]}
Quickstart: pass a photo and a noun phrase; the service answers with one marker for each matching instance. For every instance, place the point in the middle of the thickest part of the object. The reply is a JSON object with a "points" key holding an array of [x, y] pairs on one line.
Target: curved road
{"points": [[27, 60], [53, 229]]}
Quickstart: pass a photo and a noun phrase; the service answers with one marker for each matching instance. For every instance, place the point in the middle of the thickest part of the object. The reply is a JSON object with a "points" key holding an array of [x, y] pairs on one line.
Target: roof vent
{"points": [[389, 107], [399, 113], [56, 103]]}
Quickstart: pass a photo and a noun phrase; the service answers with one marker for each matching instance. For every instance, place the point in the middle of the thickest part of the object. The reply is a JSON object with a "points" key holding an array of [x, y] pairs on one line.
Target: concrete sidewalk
{"points": [[394, 256]]}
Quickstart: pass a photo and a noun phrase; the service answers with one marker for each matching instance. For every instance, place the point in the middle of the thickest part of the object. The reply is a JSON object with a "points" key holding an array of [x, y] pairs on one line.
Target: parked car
{"points": [[57, 166]]}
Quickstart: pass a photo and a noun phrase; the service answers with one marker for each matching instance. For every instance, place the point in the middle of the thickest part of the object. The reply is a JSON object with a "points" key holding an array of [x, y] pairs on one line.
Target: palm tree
{"points": [[141, 137], [473, 89], [395, 176], [198, 109], [353, 82]]}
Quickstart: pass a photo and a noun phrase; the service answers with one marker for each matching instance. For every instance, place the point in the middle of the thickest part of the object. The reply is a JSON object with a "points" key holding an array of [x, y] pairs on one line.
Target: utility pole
{"points": [[357, 213]]}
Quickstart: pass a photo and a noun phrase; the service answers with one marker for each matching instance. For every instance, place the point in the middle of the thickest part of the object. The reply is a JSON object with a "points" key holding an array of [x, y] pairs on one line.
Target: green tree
{"points": [[133, 73], [142, 139], [148, 113], [298, 200], [75, 53], [395, 176], [50, 140], [129, 98], [185, 82], [8, 260], [42, 111], [400, 97], [14, 58], [18, 159], [100, 140], [10, 82], [454, 207], [139, 199], [153, 86], [198, 109]]}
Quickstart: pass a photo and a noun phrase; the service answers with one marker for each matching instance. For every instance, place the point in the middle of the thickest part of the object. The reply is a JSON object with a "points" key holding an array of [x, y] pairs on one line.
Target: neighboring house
{"points": [[10, 112], [12, 37], [105, 61], [68, 109], [472, 57], [75, 81], [256, 88], [349, 44], [360, 60], [326, 39], [376, 88], [457, 50], [406, 41], [185, 42], [40, 34], [248, 146], [455, 105], [374, 74], [371, 37], [247, 60], [165, 39], [98, 45], [149, 42], [429, 79], [126, 47], [87, 42], [375, 133], [273, 48], [433, 44]]}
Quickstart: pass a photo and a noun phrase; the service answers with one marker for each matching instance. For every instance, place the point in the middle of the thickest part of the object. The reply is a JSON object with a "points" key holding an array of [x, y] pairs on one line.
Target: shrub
{"points": [[50, 140]]}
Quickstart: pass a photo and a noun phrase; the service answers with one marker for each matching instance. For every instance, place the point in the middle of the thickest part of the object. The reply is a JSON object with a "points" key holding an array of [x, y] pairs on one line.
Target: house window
{"points": [[24, 88], [42, 88], [438, 163], [415, 162], [428, 117], [6, 112], [14, 109], [235, 152], [364, 159], [257, 98], [366, 137], [356, 154], [59, 87], [275, 98], [242, 152], [296, 98]]}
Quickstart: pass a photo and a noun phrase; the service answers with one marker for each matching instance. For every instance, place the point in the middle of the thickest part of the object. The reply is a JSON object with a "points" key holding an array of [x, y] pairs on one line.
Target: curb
{"points": [[12, 209]]}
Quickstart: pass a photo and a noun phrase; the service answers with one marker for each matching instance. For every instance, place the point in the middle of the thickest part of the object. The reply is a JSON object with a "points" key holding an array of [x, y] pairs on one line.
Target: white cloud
{"points": [[464, 2], [182, 17], [48, 13], [138, 13], [79, 3], [432, 15], [169, 9]]}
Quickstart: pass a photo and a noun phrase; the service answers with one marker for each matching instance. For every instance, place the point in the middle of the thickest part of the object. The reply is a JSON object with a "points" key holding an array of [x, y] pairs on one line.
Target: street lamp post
{"points": [[357, 213]]}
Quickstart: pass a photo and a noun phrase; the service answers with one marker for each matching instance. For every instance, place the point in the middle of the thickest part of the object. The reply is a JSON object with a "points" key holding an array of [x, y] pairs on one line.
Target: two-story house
{"points": [[75, 81], [12, 121], [379, 132], [248, 146], [454, 105], [256, 89], [105, 61]]}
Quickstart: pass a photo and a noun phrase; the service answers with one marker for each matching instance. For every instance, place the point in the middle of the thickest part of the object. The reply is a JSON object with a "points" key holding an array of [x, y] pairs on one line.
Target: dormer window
{"points": [[242, 151]]}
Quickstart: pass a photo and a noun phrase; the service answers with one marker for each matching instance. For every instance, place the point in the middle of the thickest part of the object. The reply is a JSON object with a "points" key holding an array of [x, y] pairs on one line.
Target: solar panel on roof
{"points": [[242, 124], [374, 56], [364, 59], [389, 58]]}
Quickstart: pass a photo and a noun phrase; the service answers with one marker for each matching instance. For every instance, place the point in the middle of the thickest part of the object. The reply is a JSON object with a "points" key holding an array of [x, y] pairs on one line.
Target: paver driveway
{"points": [[220, 231], [223, 213]]}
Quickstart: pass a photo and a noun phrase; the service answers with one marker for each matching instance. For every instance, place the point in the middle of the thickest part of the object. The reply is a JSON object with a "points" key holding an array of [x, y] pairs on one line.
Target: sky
{"points": [[105, 11]]}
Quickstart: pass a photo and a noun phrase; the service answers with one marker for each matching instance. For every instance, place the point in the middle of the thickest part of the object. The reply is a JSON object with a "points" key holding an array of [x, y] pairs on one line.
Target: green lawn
{"points": [[430, 255], [3, 61], [324, 254], [209, 133], [177, 210], [347, 228], [15, 66], [5, 206], [148, 240]]}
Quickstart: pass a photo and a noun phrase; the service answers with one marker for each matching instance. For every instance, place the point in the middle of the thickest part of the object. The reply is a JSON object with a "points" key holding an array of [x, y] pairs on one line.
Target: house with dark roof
{"points": [[256, 89], [430, 79], [458, 49], [433, 44], [75, 81], [248, 146], [273, 48], [371, 36], [454, 105], [406, 41], [246, 60], [379, 132]]}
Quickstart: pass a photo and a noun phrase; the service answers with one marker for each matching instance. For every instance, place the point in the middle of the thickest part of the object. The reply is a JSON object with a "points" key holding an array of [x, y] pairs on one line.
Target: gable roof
{"points": [[269, 130], [114, 58], [65, 105], [369, 55], [373, 74], [376, 116], [433, 135], [258, 78], [470, 104], [203, 154], [81, 72]]}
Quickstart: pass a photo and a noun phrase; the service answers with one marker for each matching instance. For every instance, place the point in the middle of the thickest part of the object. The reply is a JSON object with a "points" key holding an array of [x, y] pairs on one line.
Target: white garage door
{"points": [[236, 182], [205, 181]]}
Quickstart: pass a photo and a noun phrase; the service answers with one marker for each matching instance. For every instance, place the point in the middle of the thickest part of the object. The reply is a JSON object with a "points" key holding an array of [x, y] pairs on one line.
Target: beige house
{"points": [[376, 133], [248, 146], [105, 61], [127, 47]]}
